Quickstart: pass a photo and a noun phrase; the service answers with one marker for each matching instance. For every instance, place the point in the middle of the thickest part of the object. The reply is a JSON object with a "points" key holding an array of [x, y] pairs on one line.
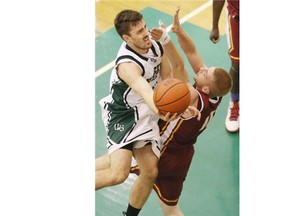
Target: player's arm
{"points": [[177, 62], [187, 44], [165, 69], [178, 66], [217, 9], [131, 74]]}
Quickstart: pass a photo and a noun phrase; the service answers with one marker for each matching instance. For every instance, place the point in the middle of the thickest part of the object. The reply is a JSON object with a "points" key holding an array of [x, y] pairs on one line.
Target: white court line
{"points": [[184, 19]]}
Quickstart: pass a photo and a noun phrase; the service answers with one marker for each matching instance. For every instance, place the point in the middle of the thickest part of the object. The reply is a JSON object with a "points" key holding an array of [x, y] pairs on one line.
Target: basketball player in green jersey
{"points": [[128, 112]]}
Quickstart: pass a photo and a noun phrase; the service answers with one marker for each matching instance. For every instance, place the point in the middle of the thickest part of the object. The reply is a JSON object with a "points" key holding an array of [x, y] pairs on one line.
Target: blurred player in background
{"points": [[232, 32]]}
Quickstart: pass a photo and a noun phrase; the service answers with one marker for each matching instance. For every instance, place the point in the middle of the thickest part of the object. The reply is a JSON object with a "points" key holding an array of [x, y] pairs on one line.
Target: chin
{"points": [[195, 79]]}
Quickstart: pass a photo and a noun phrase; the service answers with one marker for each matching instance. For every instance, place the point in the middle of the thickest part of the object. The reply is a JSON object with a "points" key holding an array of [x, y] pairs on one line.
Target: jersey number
{"points": [[207, 121]]}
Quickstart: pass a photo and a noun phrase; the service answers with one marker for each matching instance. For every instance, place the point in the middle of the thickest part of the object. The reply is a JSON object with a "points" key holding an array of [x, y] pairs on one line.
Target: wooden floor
{"points": [[212, 185], [106, 10]]}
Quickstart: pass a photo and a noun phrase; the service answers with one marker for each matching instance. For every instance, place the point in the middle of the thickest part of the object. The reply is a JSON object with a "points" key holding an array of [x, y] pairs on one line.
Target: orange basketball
{"points": [[172, 95]]}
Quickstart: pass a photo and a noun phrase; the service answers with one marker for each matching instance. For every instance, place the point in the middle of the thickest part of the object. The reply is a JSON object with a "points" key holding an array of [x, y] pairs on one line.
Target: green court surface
{"points": [[212, 184]]}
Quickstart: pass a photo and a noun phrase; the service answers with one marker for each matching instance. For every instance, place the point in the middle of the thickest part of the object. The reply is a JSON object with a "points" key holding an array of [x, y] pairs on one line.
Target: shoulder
{"points": [[157, 48]]}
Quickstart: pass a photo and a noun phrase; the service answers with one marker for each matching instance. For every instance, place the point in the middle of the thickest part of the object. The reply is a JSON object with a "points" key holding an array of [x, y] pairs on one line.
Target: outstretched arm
{"points": [[131, 74], [217, 8], [187, 44], [174, 56], [178, 66]]}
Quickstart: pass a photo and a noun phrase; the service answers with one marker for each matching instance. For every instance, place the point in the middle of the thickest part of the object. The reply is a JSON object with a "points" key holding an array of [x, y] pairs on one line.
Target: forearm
{"points": [[186, 43], [131, 74], [141, 86], [165, 70], [189, 48], [174, 57], [217, 9], [148, 97]]}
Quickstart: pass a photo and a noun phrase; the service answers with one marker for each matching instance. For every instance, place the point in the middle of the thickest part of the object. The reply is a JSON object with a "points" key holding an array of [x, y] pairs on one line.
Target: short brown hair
{"points": [[125, 19], [221, 84]]}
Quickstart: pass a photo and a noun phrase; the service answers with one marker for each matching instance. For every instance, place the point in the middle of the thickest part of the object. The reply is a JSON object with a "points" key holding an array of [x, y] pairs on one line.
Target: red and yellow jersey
{"points": [[178, 138], [182, 132]]}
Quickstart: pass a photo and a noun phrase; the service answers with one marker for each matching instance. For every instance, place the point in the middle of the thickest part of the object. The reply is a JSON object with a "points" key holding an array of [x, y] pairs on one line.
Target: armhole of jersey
{"points": [[128, 58], [214, 100], [160, 48]]}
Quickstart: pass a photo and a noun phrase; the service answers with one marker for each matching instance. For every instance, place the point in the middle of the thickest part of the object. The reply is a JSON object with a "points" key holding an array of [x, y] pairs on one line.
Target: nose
{"points": [[146, 32], [201, 70]]}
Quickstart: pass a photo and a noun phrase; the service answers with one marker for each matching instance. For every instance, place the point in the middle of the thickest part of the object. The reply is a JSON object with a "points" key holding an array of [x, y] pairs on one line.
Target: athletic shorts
{"points": [[138, 126], [173, 167], [232, 30]]}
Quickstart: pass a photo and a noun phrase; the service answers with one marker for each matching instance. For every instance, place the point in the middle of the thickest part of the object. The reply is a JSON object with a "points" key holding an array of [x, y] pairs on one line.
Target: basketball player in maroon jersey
{"points": [[179, 136], [232, 32]]}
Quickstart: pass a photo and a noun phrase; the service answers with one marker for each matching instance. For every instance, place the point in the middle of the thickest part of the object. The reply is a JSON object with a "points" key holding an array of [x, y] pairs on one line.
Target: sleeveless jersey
{"points": [[181, 132], [127, 118]]}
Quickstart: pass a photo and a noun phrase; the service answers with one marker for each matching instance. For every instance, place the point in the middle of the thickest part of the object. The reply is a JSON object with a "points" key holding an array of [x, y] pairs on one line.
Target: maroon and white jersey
{"points": [[178, 138], [181, 132]]}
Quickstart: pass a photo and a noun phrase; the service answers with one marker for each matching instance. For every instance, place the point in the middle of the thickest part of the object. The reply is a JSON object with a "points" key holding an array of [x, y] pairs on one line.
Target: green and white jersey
{"points": [[127, 118]]}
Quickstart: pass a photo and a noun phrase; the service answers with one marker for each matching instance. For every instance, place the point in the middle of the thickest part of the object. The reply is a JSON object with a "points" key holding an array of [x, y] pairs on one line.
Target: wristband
{"points": [[165, 38]]}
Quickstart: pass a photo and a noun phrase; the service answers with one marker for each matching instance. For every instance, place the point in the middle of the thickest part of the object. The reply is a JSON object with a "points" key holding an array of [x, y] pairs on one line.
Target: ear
{"points": [[126, 38], [205, 89]]}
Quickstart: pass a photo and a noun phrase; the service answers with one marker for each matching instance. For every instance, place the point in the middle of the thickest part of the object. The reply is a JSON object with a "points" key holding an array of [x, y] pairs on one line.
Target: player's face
{"points": [[139, 37], [204, 77]]}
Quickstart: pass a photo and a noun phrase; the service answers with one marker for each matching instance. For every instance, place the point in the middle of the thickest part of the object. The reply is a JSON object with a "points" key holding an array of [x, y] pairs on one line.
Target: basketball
{"points": [[172, 95]]}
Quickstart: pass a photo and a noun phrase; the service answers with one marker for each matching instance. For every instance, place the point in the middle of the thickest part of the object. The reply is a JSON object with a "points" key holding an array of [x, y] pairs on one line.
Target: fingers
{"points": [[195, 112], [176, 22], [177, 12], [169, 117], [177, 9], [156, 33], [198, 115], [165, 117], [214, 35], [175, 115], [215, 40]]}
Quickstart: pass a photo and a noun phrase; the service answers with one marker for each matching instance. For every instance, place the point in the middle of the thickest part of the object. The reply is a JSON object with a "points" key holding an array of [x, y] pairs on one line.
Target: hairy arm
{"points": [[187, 44], [178, 66], [165, 70], [174, 56], [217, 9], [131, 74]]}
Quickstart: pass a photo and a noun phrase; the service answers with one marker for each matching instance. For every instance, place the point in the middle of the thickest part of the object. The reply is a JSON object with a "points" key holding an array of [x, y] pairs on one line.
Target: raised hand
{"points": [[160, 34], [176, 23]]}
